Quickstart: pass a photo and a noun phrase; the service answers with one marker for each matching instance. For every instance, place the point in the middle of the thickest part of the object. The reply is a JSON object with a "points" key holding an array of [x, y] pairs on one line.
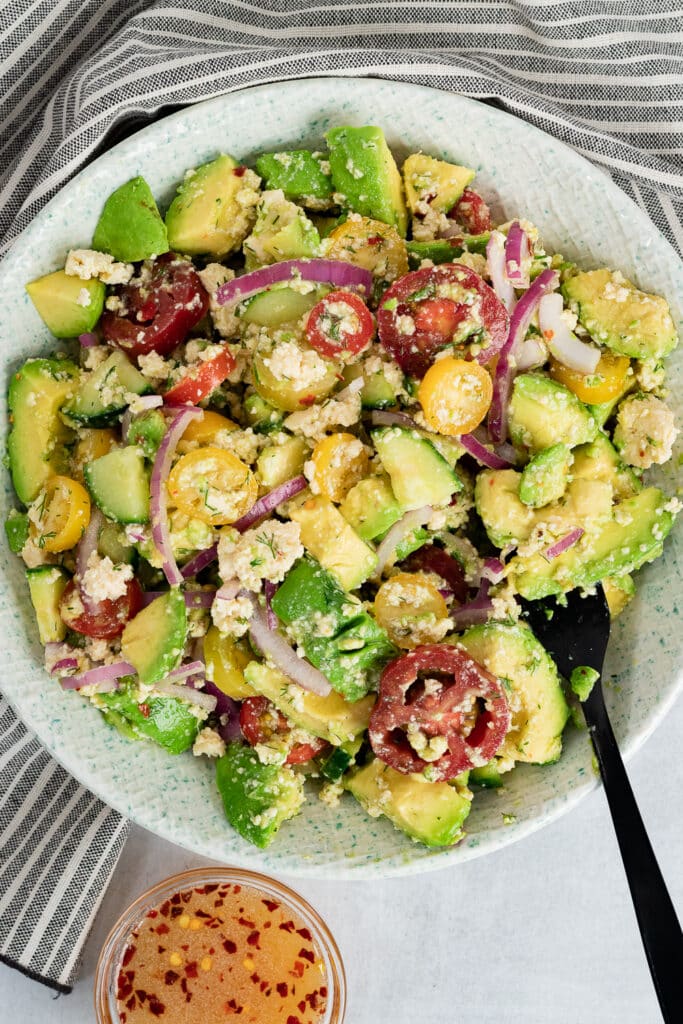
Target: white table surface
{"points": [[542, 932]]}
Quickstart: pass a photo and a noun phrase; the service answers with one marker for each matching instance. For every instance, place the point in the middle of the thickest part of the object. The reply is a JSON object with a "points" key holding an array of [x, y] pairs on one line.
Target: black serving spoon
{"points": [[576, 635]]}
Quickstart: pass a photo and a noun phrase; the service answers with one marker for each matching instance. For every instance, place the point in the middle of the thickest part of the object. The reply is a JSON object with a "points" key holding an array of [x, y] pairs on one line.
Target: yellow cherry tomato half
{"points": [[371, 244], [282, 375], [339, 461], [60, 514], [409, 607], [203, 429], [608, 381], [226, 659], [455, 395], [213, 485]]}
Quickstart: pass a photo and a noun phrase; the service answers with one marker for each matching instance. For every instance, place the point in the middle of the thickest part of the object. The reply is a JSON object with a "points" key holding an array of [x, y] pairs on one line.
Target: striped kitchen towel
{"points": [[604, 76]]}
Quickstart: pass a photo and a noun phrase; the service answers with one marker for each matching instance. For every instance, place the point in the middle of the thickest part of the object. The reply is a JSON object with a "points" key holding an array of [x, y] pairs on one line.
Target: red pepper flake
{"points": [[164, 908], [375, 240], [144, 711], [305, 934], [297, 970], [253, 939], [176, 912], [130, 1005], [293, 1020], [153, 913], [175, 899], [211, 950], [210, 888], [282, 989], [171, 977], [229, 946], [219, 903], [185, 948], [183, 985], [141, 994], [307, 400], [301, 1006], [246, 923], [162, 929], [161, 949], [236, 889], [313, 999], [128, 955], [323, 991], [191, 969], [307, 954], [156, 1006], [186, 897], [288, 926], [263, 986], [267, 924], [254, 978], [239, 171], [202, 913], [272, 905]]}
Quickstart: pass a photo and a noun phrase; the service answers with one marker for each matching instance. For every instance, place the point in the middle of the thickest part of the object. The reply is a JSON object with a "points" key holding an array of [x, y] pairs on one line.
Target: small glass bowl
{"points": [[106, 972]]}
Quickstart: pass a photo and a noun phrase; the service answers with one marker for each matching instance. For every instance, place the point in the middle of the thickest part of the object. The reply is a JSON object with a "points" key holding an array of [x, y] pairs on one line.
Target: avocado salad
{"points": [[313, 434]]}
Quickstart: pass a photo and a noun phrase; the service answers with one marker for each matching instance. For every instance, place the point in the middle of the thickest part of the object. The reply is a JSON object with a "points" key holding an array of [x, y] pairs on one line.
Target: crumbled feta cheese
{"points": [[84, 297], [224, 319], [104, 581], [645, 431], [288, 361], [245, 444], [153, 366], [331, 793], [265, 552], [88, 263], [651, 376], [95, 356], [209, 743], [231, 615], [314, 422]]}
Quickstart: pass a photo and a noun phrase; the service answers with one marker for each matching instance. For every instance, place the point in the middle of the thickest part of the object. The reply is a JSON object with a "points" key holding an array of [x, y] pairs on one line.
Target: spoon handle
{"points": [[659, 927]]}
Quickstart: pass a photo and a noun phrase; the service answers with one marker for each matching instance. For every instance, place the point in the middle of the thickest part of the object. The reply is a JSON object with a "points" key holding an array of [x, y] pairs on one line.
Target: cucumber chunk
{"points": [[257, 797], [104, 393], [153, 642], [119, 484], [419, 474], [46, 585], [275, 306]]}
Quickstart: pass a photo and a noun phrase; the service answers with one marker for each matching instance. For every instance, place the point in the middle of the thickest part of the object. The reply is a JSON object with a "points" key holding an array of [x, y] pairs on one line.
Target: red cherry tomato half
{"points": [[340, 324], [202, 379], [430, 558], [159, 312], [260, 721], [472, 212], [102, 619], [441, 691], [415, 321]]}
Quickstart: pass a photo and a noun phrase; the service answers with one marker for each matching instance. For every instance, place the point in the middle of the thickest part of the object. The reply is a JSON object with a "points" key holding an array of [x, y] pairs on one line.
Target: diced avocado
{"points": [[67, 305], [544, 479], [279, 462], [282, 232], [619, 590], [153, 641], [496, 497], [147, 430], [36, 443], [617, 314], [336, 545], [446, 250], [303, 176], [207, 217], [280, 305], [104, 393], [167, 721], [537, 704], [371, 508], [335, 632], [632, 536], [112, 543], [435, 182], [130, 226], [419, 474], [365, 173], [332, 718], [257, 797], [46, 585], [261, 416], [582, 681], [487, 776], [544, 412], [600, 460], [16, 529], [431, 812], [119, 484]]}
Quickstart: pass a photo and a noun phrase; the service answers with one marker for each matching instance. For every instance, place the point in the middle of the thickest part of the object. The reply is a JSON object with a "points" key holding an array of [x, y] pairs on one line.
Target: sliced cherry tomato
{"points": [[604, 385], [261, 722], [213, 485], [455, 395], [339, 325], [60, 514], [202, 379], [431, 308], [472, 212], [440, 701], [103, 619], [159, 312]]}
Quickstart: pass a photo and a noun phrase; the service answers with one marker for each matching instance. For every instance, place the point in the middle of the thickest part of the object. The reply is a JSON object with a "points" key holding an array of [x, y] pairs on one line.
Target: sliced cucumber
{"points": [[46, 585], [104, 393], [419, 474], [119, 484], [112, 543], [153, 642], [280, 305]]}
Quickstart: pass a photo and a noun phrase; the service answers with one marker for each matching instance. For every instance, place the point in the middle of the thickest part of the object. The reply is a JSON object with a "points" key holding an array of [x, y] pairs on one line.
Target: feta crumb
{"points": [[314, 422], [84, 297], [265, 552], [330, 793], [95, 356], [153, 366], [104, 581], [209, 743], [224, 320], [88, 263], [288, 361], [645, 431], [231, 615]]}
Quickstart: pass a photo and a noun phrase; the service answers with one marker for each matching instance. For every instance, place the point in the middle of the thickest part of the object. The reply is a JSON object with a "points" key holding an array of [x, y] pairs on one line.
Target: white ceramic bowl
{"points": [[523, 172]]}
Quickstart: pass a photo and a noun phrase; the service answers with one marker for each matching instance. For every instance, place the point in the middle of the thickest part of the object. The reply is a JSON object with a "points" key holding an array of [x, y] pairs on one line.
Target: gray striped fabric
{"points": [[605, 76]]}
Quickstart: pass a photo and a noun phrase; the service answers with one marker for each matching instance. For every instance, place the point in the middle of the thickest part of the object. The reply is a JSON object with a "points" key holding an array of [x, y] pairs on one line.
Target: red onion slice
{"points": [[275, 648], [103, 676], [199, 598], [199, 562], [161, 534], [64, 665], [521, 317], [270, 501], [192, 668], [269, 589], [495, 264], [88, 339], [380, 418], [532, 353], [170, 689], [481, 453], [410, 521], [475, 612], [227, 709], [493, 570], [561, 342], [518, 255], [344, 275], [561, 545]]}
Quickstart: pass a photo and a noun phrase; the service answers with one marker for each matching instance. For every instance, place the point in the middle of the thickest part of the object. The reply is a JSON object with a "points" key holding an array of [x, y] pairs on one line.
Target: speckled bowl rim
{"points": [[354, 91]]}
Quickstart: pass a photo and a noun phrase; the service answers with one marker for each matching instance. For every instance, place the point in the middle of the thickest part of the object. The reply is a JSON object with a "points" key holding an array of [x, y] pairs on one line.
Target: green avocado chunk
{"points": [[154, 640], [582, 681], [487, 776], [544, 412], [67, 305], [544, 479], [371, 508], [46, 584], [419, 474], [164, 720], [537, 704], [16, 529], [300, 174], [364, 172], [282, 232], [336, 633], [37, 441], [435, 182], [130, 227], [431, 812], [257, 797], [147, 431], [620, 316], [600, 460]]}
